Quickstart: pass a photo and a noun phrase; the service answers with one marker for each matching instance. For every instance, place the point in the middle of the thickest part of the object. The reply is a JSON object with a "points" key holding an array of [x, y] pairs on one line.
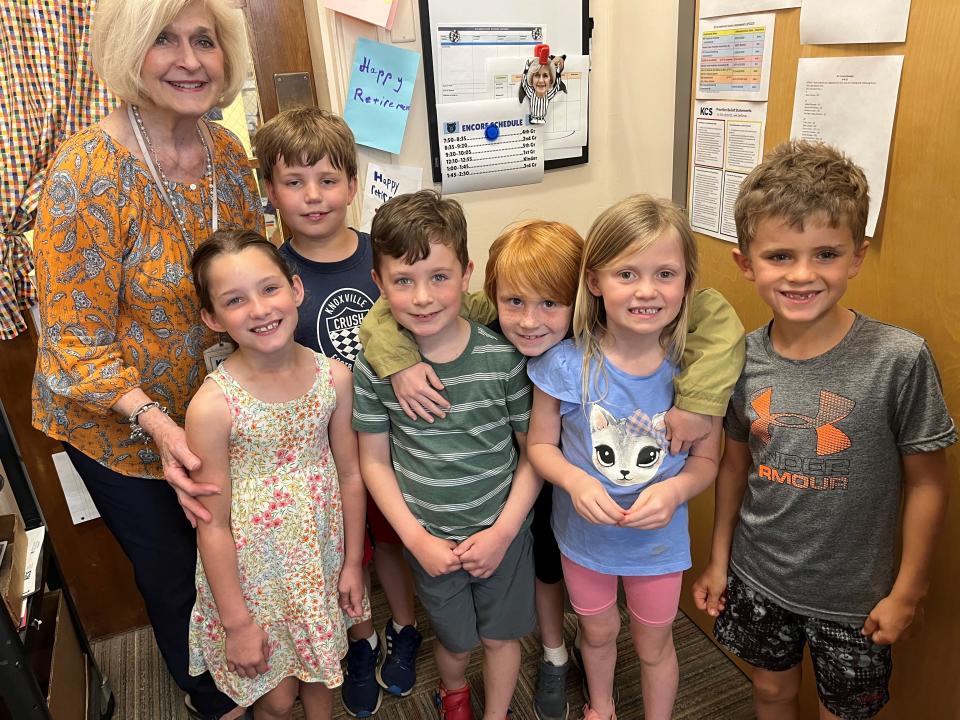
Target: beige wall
{"points": [[631, 121]]}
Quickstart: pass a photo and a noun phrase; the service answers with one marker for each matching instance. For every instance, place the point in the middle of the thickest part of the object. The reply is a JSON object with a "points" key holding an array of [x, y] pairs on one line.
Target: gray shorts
{"points": [[462, 608]]}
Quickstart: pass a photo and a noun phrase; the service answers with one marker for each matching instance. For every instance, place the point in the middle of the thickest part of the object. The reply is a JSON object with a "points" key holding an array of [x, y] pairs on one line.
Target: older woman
{"points": [[122, 348]]}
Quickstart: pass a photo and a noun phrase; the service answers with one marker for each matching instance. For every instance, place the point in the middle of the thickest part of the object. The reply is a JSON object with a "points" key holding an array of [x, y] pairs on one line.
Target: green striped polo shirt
{"points": [[454, 473]]}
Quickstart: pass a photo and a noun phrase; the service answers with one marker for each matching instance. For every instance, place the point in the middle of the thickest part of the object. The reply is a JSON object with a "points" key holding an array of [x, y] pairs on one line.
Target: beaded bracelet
{"points": [[137, 433]]}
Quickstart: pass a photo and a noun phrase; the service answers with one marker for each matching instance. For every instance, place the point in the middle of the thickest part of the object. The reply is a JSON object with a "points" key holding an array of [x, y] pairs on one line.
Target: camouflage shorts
{"points": [[852, 672]]}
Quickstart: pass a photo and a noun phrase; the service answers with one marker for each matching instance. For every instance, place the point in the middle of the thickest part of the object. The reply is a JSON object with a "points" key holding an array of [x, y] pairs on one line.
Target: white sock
{"points": [[397, 627], [556, 656], [373, 640]]}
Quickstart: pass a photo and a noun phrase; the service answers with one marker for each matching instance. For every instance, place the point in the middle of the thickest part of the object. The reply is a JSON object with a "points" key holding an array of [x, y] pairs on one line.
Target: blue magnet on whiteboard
{"points": [[492, 132]]}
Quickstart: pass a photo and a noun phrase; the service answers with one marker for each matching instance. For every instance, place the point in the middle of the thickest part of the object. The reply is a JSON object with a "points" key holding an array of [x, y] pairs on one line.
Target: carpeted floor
{"points": [[711, 687]]}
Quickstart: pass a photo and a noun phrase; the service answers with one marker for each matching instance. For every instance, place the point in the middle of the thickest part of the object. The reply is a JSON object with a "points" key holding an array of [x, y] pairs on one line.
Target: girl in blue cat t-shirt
{"points": [[597, 433]]}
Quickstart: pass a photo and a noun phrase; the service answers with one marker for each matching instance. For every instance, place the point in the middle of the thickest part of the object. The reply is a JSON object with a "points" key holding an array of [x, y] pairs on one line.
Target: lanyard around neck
{"points": [[161, 186]]}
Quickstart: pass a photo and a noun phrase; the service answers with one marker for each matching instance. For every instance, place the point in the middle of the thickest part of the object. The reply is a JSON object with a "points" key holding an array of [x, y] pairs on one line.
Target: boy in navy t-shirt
{"points": [[309, 161]]}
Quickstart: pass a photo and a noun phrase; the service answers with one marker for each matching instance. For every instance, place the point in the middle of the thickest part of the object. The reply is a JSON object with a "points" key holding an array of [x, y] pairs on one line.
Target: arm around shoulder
{"points": [[386, 346], [713, 355], [478, 307]]}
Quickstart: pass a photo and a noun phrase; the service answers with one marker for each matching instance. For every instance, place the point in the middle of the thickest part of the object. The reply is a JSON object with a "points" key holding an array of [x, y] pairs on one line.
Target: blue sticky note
{"points": [[380, 93]]}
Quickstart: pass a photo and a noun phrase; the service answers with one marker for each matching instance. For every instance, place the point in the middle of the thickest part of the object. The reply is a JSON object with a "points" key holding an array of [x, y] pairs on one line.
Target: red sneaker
{"points": [[590, 714], [453, 705]]}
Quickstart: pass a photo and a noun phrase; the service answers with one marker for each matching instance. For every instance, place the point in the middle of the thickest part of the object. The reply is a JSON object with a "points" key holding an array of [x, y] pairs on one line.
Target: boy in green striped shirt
{"points": [[458, 493]]}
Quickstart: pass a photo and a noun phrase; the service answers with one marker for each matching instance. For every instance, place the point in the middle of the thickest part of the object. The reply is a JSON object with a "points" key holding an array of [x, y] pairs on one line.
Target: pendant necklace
{"points": [[164, 186]]}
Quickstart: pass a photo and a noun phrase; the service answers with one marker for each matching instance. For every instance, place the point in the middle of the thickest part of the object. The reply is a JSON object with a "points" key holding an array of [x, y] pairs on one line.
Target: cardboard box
{"points": [[67, 692], [14, 562]]}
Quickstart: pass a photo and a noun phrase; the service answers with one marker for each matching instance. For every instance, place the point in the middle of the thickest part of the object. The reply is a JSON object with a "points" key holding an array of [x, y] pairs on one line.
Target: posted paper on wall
{"points": [[465, 49], [380, 93], [727, 144], [567, 115], [850, 103], [733, 57], [385, 182], [488, 144], [828, 22], [713, 8], [377, 12]]}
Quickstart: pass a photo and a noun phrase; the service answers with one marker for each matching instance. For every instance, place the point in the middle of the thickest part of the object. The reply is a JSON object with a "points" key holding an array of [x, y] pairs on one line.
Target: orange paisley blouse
{"points": [[117, 305]]}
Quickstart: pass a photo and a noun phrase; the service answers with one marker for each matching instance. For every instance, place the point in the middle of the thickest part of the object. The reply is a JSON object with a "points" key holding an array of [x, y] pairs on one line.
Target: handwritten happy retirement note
{"points": [[380, 93]]}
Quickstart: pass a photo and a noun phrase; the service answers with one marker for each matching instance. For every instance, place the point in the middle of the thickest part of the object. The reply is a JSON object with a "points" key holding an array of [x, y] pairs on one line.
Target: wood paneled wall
{"points": [[911, 278]]}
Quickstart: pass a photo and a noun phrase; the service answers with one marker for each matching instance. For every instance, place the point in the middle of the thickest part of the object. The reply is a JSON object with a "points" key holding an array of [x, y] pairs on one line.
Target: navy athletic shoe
{"points": [[360, 692], [398, 672]]}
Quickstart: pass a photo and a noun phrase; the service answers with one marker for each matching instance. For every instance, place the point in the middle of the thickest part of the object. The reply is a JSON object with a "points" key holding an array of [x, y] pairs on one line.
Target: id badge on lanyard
{"points": [[217, 353]]}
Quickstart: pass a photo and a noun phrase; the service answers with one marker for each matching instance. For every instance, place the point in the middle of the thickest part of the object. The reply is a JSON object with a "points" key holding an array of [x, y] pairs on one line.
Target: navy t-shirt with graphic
{"points": [[337, 296]]}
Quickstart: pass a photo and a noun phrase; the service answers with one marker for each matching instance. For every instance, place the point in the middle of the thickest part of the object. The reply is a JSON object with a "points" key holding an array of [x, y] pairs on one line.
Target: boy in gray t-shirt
{"points": [[834, 415]]}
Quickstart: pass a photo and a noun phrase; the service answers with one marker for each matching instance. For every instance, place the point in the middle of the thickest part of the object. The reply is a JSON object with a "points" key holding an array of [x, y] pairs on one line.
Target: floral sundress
{"points": [[287, 523]]}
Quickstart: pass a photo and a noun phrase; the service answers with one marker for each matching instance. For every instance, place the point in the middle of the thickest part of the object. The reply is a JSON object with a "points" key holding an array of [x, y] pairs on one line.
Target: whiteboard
{"points": [[566, 28]]}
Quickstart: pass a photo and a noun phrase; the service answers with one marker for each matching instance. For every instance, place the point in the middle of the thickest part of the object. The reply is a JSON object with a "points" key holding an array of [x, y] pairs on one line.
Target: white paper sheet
{"points": [[384, 182], [713, 8], [78, 499], [727, 144], [567, 113], [733, 57], [34, 544], [471, 161], [464, 50], [850, 103], [828, 22]]}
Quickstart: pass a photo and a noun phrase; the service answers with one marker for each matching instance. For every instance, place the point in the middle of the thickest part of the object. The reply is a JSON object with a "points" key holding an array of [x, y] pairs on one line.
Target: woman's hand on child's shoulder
{"points": [[710, 590], [593, 502], [248, 650]]}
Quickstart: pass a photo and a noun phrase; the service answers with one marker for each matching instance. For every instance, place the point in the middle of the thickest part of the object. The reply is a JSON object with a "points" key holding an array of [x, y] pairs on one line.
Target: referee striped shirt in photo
{"points": [[454, 473]]}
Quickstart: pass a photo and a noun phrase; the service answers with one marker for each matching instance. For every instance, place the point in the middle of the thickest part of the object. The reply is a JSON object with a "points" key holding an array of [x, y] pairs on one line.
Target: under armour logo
{"points": [[833, 409]]}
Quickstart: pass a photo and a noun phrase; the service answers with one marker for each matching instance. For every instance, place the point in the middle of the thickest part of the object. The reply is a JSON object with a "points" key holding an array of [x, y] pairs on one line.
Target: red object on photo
{"points": [[542, 53]]}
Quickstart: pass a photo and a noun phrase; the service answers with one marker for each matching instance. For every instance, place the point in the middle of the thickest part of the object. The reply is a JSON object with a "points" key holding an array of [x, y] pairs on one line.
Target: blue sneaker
{"points": [[360, 692], [397, 674]]}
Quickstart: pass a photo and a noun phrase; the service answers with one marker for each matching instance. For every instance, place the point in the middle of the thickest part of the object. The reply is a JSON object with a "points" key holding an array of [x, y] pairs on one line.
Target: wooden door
{"points": [[910, 278]]}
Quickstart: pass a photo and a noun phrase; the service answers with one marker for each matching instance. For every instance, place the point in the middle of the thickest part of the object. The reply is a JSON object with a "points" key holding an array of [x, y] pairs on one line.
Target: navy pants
{"points": [[146, 519]]}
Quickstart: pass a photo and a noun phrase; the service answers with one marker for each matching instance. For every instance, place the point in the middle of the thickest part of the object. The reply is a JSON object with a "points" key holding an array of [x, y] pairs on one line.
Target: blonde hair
{"points": [[535, 67], [801, 181], [304, 136], [536, 255], [123, 31], [632, 224]]}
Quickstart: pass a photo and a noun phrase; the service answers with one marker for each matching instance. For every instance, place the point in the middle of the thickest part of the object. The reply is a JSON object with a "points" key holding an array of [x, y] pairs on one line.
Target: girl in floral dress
{"points": [[280, 561]]}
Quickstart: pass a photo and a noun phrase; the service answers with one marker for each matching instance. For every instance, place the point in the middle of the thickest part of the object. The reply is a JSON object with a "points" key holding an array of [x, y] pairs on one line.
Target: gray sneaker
{"points": [[550, 699]]}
